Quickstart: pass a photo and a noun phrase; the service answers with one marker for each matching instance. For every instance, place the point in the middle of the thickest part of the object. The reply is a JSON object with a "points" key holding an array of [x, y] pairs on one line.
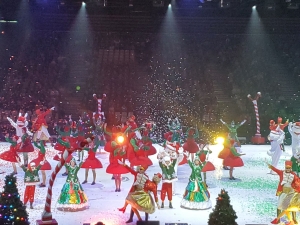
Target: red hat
{"points": [[288, 163], [16, 137], [158, 175]]}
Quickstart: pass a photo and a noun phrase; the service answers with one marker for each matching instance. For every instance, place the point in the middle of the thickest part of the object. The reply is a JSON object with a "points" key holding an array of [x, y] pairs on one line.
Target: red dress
{"points": [[190, 145], [39, 159], [26, 146], [230, 155], [92, 162], [10, 155]]}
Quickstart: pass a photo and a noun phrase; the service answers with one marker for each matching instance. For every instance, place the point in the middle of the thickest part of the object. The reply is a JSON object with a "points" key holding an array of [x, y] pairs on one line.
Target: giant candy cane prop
{"points": [[47, 215], [99, 103], [254, 101]]}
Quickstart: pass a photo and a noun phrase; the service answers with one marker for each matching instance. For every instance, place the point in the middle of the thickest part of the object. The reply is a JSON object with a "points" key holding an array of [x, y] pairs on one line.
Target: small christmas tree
{"points": [[12, 209], [223, 213]]}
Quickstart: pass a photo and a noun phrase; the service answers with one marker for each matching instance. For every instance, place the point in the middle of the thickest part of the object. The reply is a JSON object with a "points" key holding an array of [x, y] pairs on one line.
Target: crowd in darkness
{"points": [[139, 71]]}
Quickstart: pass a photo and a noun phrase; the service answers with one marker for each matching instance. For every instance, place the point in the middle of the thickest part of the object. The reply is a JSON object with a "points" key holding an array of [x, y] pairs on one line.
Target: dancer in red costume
{"points": [[117, 149], [21, 128], [288, 193], [140, 198], [230, 156], [140, 178], [41, 158], [206, 165], [11, 155], [146, 140], [139, 156], [91, 162], [40, 126], [25, 146], [190, 145]]}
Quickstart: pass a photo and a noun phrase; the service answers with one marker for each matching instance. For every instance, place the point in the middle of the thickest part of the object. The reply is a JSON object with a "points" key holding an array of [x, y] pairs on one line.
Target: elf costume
{"points": [[233, 130], [196, 195], [72, 197], [168, 177], [31, 178]]}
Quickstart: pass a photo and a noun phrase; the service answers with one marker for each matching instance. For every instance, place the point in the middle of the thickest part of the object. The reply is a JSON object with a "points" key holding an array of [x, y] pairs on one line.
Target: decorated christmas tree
{"points": [[223, 213], [12, 209]]}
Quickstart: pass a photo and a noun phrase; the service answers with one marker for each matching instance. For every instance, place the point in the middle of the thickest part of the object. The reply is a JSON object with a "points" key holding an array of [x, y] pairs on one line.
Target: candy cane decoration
{"points": [[254, 101], [99, 103], [47, 215]]}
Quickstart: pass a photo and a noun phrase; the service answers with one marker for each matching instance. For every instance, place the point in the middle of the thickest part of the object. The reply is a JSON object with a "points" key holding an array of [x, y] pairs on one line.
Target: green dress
{"points": [[72, 197], [196, 195]]}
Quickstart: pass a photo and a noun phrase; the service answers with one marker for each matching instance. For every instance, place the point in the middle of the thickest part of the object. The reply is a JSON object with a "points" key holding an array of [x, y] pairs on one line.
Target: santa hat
{"points": [[288, 164], [158, 175]]}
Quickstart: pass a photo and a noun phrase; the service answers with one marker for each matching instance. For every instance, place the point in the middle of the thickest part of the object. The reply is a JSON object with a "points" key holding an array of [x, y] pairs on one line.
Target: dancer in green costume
{"points": [[72, 197], [196, 195]]}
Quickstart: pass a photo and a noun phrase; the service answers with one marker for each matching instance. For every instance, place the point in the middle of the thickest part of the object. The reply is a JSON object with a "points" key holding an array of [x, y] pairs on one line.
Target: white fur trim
{"points": [[195, 205]]}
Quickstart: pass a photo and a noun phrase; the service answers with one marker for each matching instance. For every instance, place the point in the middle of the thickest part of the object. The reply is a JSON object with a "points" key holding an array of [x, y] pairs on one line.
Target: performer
{"points": [[294, 129], [25, 146], [31, 178], [40, 126], [233, 130], [288, 181], [140, 178], [146, 140], [168, 177], [196, 195], [117, 149], [203, 154], [11, 154], [99, 130], [72, 197], [141, 200], [91, 162], [296, 162], [190, 145], [41, 157], [175, 131], [230, 156], [276, 139], [282, 126], [21, 128]]}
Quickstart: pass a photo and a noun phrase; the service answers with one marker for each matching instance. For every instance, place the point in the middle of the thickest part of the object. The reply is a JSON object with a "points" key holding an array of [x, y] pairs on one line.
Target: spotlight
{"points": [[219, 140], [120, 139]]}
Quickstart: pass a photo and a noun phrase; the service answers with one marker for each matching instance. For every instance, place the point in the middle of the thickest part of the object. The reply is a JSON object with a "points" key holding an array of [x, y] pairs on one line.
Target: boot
{"points": [[131, 217], [146, 216], [162, 205], [294, 217], [275, 221], [170, 205]]}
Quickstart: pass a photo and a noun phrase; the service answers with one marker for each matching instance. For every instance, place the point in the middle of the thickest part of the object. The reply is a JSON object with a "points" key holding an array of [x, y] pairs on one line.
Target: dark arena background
{"points": [[195, 60]]}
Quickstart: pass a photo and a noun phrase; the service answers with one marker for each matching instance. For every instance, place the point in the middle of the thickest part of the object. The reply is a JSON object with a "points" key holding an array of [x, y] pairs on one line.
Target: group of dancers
{"points": [[125, 143], [129, 147]]}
